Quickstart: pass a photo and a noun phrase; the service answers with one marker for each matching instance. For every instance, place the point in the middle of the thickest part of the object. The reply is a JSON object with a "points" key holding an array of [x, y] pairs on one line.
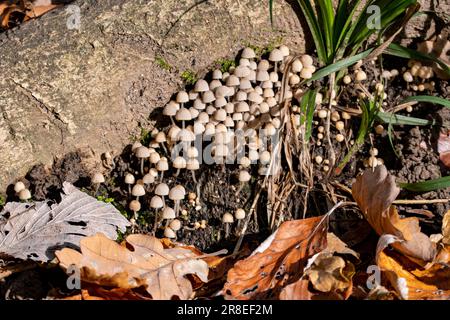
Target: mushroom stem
{"points": [[164, 148], [276, 67], [193, 176], [177, 173], [241, 185], [177, 207], [142, 166], [155, 225], [97, 185], [227, 230], [129, 189], [162, 175], [173, 121]]}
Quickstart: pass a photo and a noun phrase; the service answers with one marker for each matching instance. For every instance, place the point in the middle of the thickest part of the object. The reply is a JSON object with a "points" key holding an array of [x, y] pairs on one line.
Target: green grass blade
{"points": [[397, 119], [341, 64], [307, 107], [314, 28], [426, 186], [326, 20], [403, 52], [429, 99]]}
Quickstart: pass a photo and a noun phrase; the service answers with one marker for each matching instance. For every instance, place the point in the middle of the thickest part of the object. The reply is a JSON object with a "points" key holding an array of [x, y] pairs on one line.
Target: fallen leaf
{"points": [[413, 282], [161, 271], [374, 191], [336, 245], [277, 261], [297, 291], [327, 273], [35, 230], [446, 228]]}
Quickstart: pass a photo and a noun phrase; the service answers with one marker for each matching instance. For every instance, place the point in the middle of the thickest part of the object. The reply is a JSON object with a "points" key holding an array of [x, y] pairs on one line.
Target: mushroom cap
{"points": [[98, 178], [223, 91], [220, 102], [264, 157], [192, 152], [264, 107], [169, 233], [194, 113], [148, 178], [241, 72], [237, 116], [245, 84], [262, 75], [163, 164], [135, 205], [229, 107], [232, 81], [199, 128], [214, 84], [263, 65], [254, 97], [175, 225], [156, 202], [217, 74], [248, 53], [162, 189], [220, 115], [192, 95], [242, 106], [186, 135], [168, 213], [276, 55], [221, 128], [19, 186], [183, 114], [182, 97], [203, 117], [240, 96], [306, 73], [227, 218], [208, 97], [306, 60], [24, 194], [273, 77], [244, 176], [284, 50], [171, 108], [198, 104], [142, 152], [135, 145], [160, 137], [201, 86], [192, 164], [210, 129], [177, 193], [173, 132], [138, 190], [239, 214], [228, 122], [245, 162], [154, 157], [129, 179], [178, 163]]}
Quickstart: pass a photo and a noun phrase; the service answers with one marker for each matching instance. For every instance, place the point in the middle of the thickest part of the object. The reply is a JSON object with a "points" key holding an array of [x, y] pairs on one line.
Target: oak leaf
{"points": [[280, 259], [161, 271], [374, 191]]}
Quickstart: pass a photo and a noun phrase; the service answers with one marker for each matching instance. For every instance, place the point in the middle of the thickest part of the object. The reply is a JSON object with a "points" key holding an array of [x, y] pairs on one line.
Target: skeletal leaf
{"points": [[161, 271], [35, 230]]}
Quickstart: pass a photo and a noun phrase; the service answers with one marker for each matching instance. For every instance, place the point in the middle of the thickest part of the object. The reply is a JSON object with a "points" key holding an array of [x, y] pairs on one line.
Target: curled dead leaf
{"points": [[329, 273], [161, 271], [279, 259], [374, 191]]}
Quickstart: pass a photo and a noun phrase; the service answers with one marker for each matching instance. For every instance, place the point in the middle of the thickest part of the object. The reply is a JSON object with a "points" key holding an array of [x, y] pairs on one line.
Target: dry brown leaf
{"points": [[374, 191], [297, 291], [336, 245], [161, 271], [278, 260], [329, 273], [413, 282]]}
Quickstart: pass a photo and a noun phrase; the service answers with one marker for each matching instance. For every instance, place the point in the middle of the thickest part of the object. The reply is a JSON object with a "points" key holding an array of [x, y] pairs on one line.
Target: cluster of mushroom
{"points": [[21, 191], [417, 76], [373, 161], [221, 107]]}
